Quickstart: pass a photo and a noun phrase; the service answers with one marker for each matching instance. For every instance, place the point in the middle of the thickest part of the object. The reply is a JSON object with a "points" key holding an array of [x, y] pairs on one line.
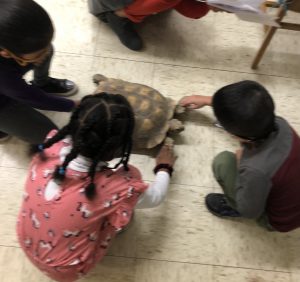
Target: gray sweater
{"points": [[257, 169]]}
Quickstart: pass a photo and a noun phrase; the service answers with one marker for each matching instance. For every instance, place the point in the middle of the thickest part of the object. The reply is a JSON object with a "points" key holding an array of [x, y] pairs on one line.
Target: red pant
{"points": [[140, 9]]}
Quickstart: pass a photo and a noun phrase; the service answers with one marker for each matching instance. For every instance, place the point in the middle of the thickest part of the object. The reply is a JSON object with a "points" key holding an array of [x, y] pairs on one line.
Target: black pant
{"points": [[41, 72], [20, 120]]}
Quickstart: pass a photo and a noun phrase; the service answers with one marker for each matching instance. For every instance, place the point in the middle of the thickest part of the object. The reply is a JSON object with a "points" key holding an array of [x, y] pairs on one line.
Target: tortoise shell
{"points": [[152, 110]]}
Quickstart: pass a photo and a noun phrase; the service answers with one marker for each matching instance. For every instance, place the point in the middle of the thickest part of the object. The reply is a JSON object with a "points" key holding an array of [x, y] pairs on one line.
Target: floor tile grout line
{"points": [[147, 180], [20, 168], [177, 65], [182, 262], [182, 184], [197, 263], [8, 246]]}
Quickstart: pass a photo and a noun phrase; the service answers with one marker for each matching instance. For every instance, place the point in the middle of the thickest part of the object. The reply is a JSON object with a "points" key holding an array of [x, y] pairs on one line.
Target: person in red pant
{"points": [[120, 15]]}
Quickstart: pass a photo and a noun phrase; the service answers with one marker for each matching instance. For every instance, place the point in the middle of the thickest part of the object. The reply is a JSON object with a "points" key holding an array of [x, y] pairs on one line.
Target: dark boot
{"points": [[3, 137], [217, 204], [60, 87], [124, 29], [102, 17]]}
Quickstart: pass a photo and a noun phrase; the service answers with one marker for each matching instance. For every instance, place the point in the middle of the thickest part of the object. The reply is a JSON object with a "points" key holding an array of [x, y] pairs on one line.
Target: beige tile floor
{"points": [[178, 241]]}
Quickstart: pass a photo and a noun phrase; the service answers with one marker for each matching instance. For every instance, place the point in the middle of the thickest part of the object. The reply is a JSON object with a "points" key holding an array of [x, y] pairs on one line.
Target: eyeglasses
{"points": [[23, 62]]}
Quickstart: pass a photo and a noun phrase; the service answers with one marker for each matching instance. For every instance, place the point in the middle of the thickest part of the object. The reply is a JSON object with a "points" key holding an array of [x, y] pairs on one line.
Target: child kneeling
{"points": [[74, 203], [261, 181]]}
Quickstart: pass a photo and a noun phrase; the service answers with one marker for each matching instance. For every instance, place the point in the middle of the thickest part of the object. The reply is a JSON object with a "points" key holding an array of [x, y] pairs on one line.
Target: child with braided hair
{"points": [[74, 203]]}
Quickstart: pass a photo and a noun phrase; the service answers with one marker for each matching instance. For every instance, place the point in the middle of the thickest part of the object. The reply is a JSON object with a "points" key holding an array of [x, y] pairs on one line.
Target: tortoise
{"points": [[153, 112]]}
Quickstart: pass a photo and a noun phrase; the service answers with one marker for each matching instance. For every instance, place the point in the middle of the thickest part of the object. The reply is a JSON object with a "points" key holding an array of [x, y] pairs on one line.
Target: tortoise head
{"points": [[97, 78]]}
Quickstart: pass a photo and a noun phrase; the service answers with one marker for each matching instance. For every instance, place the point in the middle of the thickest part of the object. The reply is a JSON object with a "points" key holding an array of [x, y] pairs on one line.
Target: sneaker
{"points": [[217, 204], [124, 29], [61, 87], [4, 137]]}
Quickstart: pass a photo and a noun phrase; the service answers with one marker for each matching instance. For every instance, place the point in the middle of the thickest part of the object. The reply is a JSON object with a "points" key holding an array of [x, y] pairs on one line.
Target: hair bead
{"points": [[40, 147], [61, 171]]}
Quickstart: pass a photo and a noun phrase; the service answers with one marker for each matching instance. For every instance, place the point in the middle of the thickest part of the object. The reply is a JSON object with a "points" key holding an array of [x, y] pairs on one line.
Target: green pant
{"points": [[225, 170]]}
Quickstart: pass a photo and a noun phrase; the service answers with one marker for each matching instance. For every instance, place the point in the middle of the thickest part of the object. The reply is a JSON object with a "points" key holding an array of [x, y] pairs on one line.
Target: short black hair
{"points": [[245, 109], [25, 27], [101, 126]]}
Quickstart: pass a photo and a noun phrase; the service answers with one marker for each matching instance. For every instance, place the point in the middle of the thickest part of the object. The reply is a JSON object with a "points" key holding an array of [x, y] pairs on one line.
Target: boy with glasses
{"points": [[26, 32], [261, 181]]}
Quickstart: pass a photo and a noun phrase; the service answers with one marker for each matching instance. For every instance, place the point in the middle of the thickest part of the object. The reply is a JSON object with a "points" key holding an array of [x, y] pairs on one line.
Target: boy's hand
{"points": [[121, 13], [166, 155], [195, 101]]}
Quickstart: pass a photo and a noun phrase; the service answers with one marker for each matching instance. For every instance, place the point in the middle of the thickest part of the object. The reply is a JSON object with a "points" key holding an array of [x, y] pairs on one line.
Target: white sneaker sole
{"points": [[67, 94], [4, 139]]}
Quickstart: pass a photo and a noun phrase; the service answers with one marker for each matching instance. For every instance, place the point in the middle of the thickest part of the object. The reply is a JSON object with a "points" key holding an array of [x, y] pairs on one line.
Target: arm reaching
{"points": [[156, 192], [195, 101], [166, 156]]}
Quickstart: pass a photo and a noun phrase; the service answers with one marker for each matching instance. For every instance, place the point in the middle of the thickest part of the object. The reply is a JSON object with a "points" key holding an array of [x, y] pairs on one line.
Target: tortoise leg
{"points": [[179, 109], [176, 125], [169, 141], [98, 78]]}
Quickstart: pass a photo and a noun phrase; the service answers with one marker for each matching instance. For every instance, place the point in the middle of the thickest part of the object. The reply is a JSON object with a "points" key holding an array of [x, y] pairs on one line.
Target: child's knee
{"points": [[224, 158]]}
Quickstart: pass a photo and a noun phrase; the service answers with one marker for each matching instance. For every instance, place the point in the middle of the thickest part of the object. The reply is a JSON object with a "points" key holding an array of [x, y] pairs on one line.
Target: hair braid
{"points": [[128, 139], [62, 133], [99, 127], [57, 137], [60, 171], [90, 189]]}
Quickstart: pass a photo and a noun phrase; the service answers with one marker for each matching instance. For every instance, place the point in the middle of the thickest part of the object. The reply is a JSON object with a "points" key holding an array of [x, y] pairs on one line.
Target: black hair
{"points": [[25, 27], [245, 109], [99, 127]]}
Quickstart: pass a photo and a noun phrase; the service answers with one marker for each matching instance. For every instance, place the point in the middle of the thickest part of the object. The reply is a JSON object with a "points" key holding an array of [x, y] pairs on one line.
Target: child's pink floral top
{"points": [[60, 230]]}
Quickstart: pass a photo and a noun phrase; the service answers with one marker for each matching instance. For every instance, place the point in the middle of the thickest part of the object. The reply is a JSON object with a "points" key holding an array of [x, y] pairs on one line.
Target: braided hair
{"points": [[101, 128]]}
